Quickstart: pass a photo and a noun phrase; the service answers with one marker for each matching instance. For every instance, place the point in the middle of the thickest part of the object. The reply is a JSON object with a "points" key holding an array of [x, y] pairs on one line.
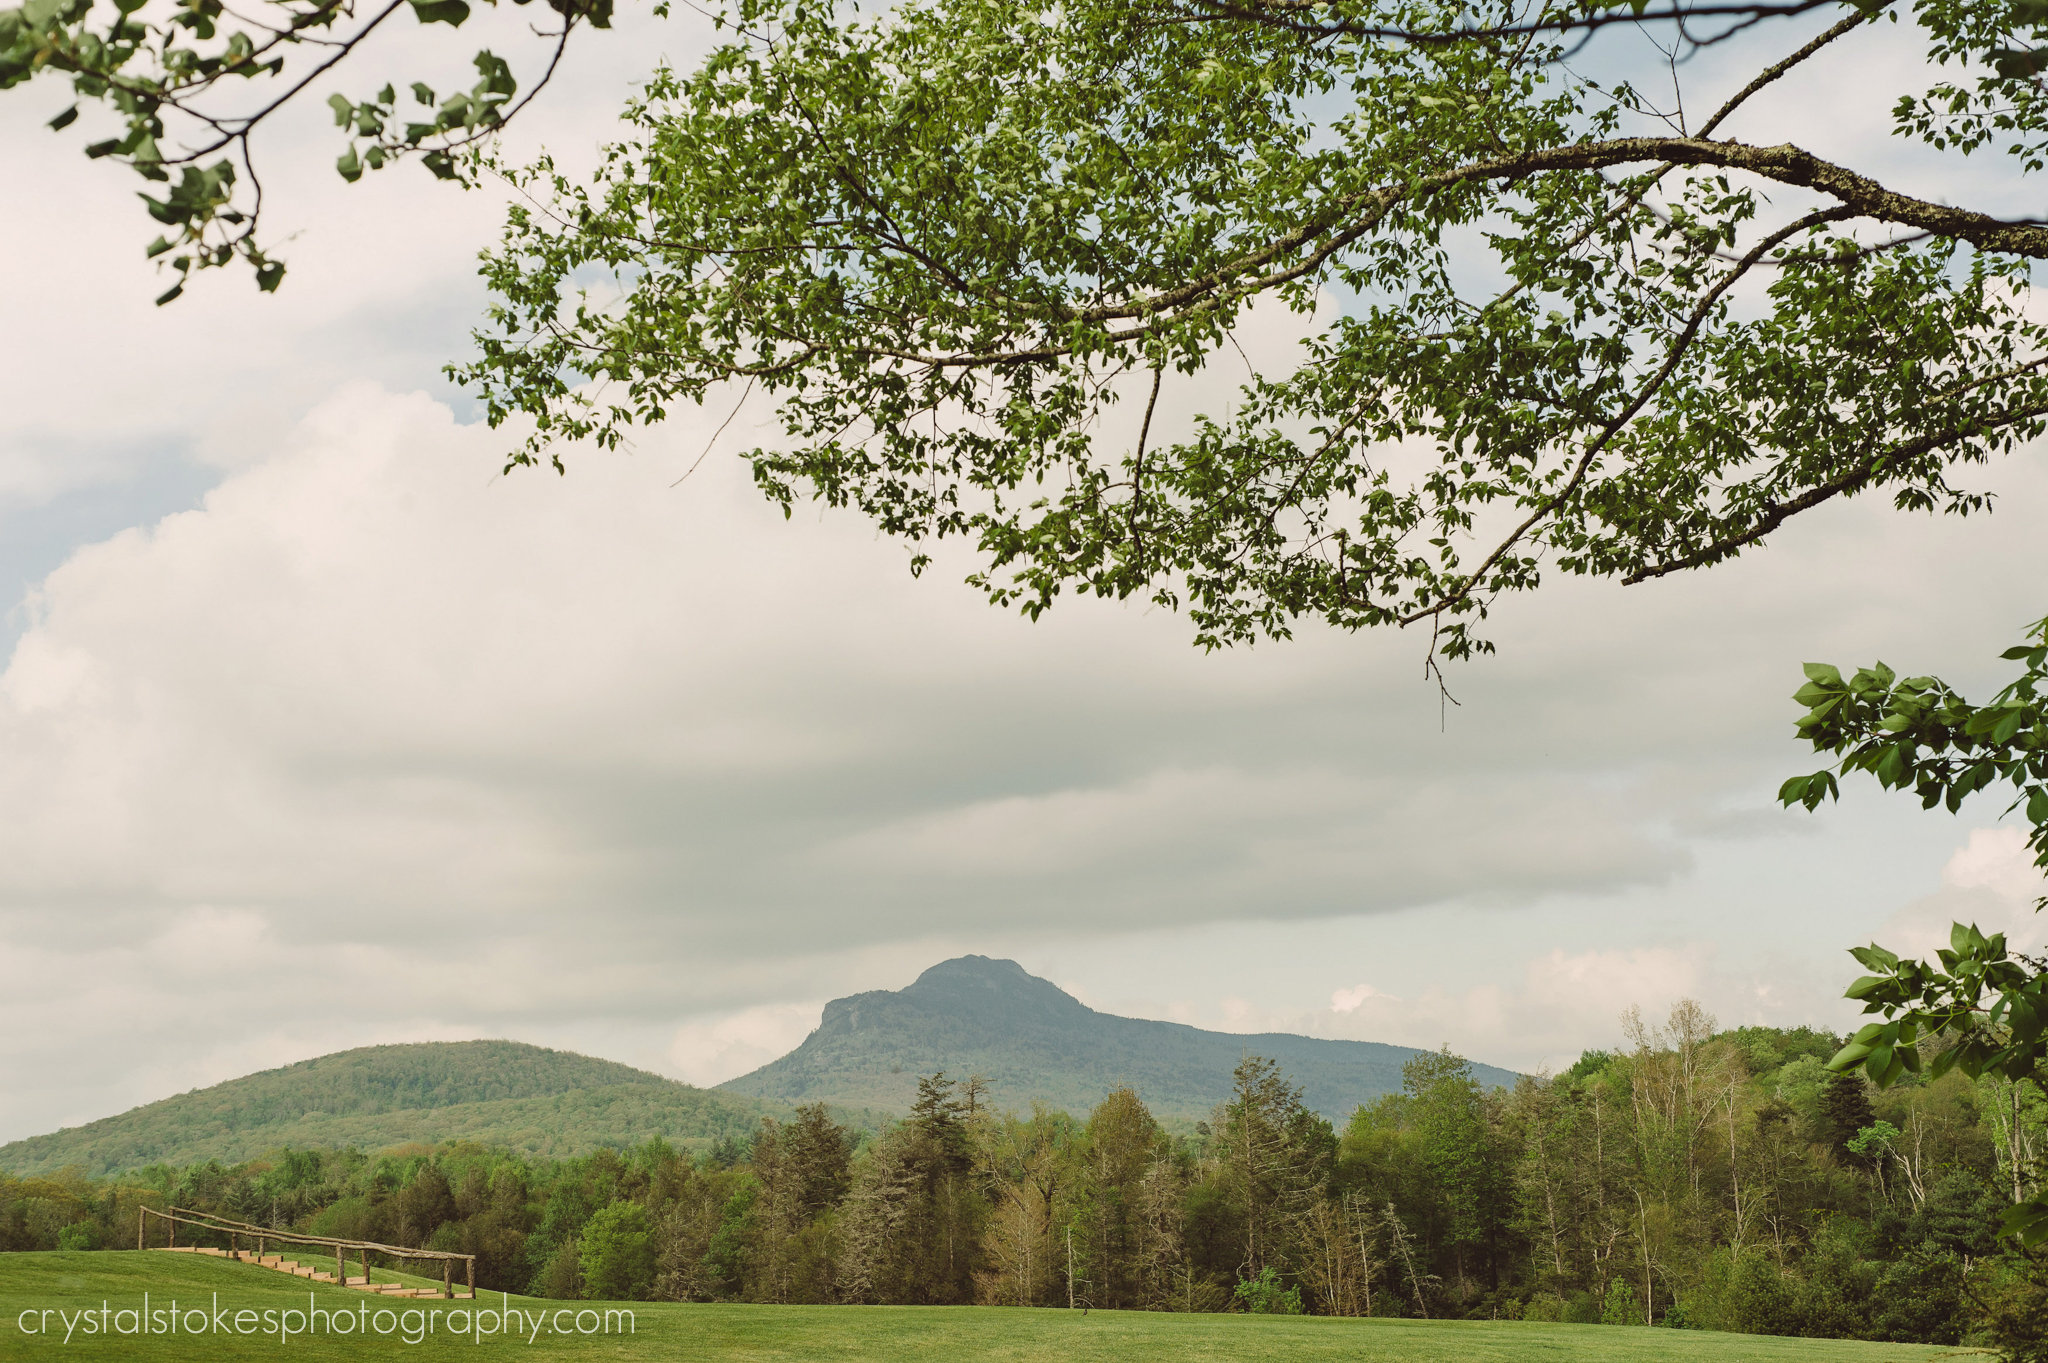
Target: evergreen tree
{"points": [[1845, 1110]]}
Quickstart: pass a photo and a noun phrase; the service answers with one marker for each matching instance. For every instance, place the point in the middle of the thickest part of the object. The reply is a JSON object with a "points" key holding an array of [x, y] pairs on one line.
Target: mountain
{"points": [[501, 1093], [1033, 1040]]}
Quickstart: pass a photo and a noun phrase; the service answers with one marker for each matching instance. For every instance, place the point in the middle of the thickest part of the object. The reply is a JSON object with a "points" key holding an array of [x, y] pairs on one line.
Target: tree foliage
{"points": [[1978, 1007], [951, 237], [1692, 1178]]}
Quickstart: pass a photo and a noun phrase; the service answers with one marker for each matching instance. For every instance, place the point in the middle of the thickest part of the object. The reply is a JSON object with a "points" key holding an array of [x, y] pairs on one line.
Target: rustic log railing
{"points": [[238, 1231]]}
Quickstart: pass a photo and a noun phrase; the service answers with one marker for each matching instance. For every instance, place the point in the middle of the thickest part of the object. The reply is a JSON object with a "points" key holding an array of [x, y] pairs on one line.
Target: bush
{"points": [[560, 1277], [78, 1235], [1620, 1306], [1758, 1300], [1833, 1300], [616, 1252], [1919, 1300], [2016, 1311], [1582, 1308], [1263, 1296]]}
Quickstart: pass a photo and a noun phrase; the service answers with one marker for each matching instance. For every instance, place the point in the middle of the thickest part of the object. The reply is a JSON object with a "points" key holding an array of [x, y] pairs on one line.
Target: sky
{"points": [[321, 731]]}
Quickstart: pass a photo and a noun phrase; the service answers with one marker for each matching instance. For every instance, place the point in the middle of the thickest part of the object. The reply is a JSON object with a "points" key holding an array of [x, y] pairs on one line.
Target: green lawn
{"points": [[842, 1334]]}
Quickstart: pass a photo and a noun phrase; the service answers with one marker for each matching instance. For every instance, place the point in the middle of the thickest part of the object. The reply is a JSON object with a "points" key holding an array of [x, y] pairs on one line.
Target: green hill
{"points": [[501, 1093], [1033, 1040]]}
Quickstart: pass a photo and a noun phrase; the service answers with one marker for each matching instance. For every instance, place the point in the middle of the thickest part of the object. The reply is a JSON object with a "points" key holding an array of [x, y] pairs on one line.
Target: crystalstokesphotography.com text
{"points": [[318, 1318]]}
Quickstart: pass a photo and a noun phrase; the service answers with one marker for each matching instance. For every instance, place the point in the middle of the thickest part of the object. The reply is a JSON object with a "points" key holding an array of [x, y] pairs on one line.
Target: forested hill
{"points": [[500, 1093], [1033, 1040]]}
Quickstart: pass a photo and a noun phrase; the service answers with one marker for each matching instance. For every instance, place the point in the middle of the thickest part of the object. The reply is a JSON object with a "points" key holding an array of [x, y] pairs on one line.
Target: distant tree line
{"points": [[1702, 1179]]}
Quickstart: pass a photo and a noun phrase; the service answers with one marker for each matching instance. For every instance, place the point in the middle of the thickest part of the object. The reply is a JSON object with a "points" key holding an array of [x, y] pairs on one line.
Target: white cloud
{"points": [[712, 1050], [1540, 1017], [1990, 881], [1562, 1003], [381, 746], [386, 741]]}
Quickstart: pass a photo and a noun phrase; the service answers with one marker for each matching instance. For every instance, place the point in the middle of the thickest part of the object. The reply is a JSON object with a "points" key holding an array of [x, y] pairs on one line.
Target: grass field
{"points": [[843, 1334]]}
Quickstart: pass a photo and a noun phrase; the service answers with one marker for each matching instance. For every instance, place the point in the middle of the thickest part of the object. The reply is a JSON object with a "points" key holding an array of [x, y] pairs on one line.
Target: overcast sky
{"points": [[318, 732]]}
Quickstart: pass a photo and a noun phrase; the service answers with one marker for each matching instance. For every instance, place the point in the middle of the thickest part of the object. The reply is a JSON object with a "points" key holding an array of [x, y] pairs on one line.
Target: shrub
{"points": [[1620, 1306], [2016, 1311], [1582, 1308], [560, 1277], [1758, 1301], [1919, 1300], [616, 1252], [1263, 1296]]}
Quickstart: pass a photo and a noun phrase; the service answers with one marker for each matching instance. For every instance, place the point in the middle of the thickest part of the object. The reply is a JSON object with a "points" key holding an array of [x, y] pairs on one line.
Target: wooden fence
{"points": [[239, 1232]]}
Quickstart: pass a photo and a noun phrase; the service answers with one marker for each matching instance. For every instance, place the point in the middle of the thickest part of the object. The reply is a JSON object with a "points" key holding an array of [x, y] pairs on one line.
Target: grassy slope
{"points": [[792, 1334], [503, 1093]]}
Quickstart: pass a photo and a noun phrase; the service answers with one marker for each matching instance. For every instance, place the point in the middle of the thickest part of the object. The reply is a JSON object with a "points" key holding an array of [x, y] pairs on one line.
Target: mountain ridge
{"points": [[1034, 1041], [526, 1098]]}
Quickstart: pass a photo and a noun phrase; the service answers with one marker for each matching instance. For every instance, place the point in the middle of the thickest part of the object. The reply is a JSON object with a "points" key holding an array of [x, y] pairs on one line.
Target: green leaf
{"points": [[1849, 1057], [351, 169], [65, 119], [450, 12], [1825, 674], [2027, 1222]]}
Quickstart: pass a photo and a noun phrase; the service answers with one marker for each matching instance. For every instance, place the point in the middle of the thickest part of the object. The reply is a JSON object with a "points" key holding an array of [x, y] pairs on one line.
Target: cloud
{"points": [[1541, 1016], [711, 1050], [382, 746], [1563, 1002], [382, 740], [1991, 881]]}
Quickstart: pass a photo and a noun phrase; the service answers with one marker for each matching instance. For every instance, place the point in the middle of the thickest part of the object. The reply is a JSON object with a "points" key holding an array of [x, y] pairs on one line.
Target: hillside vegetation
{"points": [[1033, 1041], [529, 1099], [797, 1334], [1714, 1180]]}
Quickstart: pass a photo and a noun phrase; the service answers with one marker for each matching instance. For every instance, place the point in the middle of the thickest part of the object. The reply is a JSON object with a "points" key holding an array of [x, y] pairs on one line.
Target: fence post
{"points": [[173, 1220], [472, 1276], [141, 1216], [341, 1265], [448, 1278]]}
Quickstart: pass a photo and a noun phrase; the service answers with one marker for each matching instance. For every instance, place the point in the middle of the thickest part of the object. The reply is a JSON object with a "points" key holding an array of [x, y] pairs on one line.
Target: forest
{"points": [[1696, 1178]]}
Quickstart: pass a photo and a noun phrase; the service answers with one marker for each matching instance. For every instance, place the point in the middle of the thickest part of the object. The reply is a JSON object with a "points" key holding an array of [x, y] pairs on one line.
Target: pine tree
{"points": [[1845, 1110]]}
